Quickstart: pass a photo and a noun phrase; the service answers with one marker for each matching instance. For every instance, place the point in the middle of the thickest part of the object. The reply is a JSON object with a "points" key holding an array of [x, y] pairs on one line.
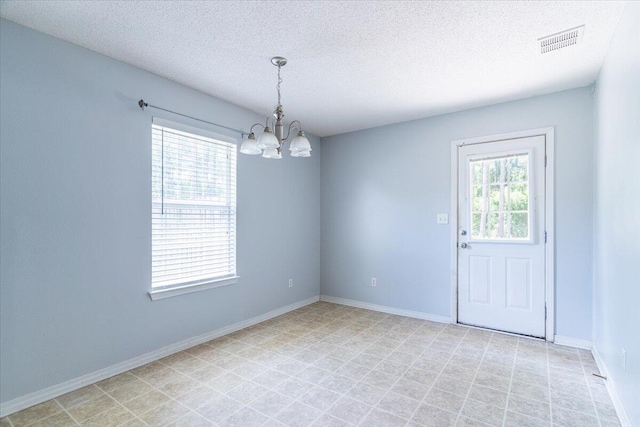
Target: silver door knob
{"points": [[463, 233], [463, 245]]}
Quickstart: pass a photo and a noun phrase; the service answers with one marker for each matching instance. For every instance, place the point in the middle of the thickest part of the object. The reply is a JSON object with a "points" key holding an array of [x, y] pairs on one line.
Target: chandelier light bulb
{"points": [[250, 146], [268, 140], [300, 143], [301, 153], [271, 153]]}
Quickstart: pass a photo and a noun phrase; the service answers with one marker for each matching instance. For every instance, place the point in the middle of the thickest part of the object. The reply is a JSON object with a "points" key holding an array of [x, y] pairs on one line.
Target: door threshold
{"points": [[513, 334]]}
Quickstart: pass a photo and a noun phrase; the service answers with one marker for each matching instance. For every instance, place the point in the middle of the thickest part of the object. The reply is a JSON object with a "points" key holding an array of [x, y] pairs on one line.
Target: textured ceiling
{"points": [[352, 65]]}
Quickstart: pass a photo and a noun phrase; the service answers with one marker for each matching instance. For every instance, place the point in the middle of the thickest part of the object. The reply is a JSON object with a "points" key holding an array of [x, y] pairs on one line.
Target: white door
{"points": [[501, 235]]}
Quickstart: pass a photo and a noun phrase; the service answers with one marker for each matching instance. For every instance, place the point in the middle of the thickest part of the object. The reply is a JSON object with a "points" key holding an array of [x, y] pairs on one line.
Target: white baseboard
{"points": [[625, 421], [386, 309], [572, 342], [40, 396]]}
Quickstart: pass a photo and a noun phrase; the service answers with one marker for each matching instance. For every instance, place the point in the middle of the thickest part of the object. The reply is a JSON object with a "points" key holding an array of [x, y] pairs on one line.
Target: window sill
{"points": [[187, 289]]}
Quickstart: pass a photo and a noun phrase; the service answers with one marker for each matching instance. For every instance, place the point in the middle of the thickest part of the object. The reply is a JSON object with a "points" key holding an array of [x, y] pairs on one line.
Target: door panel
{"points": [[501, 249]]}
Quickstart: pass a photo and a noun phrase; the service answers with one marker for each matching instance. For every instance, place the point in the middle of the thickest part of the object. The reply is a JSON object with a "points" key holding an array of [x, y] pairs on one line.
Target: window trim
{"points": [[174, 291], [197, 286]]}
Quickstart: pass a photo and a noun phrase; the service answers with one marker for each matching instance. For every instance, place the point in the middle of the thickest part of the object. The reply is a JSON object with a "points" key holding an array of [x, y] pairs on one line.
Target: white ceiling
{"points": [[352, 64]]}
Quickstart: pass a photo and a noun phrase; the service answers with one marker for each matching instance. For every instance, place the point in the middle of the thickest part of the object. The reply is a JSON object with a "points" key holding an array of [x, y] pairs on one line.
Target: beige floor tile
{"points": [[349, 410], [191, 420], [247, 392], [59, 420], [92, 408], [4, 422], [568, 418], [392, 367], [532, 408], [444, 400], [146, 402], [179, 386], [270, 378], [207, 373], [226, 381], [428, 365], [576, 403], [110, 418], [430, 416], [338, 383], [377, 418], [159, 378], [463, 374], [293, 387], [452, 385], [327, 420], [366, 393], [320, 398], [271, 403], [606, 411], [496, 369], [148, 369], [530, 391], [312, 374], [245, 417], [219, 409], [136, 422], [164, 414], [117, 381], [35, 413], [519, 420], [380, 379], [249, 370], [488, 395], [399, 405], [130, 391], [410, 389], [79, 396], [484, 412], [495, 382], [198, 397], [189, 365], [298, 415], [354, 370]]}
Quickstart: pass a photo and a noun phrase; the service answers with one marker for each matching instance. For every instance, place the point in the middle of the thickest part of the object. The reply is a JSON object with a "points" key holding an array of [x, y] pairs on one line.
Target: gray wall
{"points": [[75, 196], [617, 248], [382, 189]]}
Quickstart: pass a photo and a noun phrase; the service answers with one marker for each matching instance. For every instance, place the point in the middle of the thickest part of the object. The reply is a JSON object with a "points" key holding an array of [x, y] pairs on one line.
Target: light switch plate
{"points": [[442, 218]]}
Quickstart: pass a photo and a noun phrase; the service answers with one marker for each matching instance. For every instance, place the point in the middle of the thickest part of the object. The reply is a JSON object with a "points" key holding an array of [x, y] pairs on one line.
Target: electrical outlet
{"points": [[291, 283], [442, 218], [624, 359], [373, 282]]}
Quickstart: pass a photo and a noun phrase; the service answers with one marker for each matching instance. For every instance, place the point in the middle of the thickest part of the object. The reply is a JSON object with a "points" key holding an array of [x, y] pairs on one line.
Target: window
{"points": [[500, 198], [193, 211]]}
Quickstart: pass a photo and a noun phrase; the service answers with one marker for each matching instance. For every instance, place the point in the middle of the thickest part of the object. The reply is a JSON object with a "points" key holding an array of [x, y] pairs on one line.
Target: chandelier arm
{"points": [[256, 124], [266, 122], [299, 128]]}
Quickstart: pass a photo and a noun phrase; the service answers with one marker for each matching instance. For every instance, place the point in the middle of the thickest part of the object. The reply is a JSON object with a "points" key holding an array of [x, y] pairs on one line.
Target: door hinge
{"points": [[545, 237]]}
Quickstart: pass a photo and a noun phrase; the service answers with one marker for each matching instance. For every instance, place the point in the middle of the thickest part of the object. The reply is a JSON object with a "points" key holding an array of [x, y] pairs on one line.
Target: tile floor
{"points": [[332, 365]]}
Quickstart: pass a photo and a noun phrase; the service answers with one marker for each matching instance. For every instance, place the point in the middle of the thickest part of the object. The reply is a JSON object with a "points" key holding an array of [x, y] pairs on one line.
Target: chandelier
{"points": [[270, 143]]}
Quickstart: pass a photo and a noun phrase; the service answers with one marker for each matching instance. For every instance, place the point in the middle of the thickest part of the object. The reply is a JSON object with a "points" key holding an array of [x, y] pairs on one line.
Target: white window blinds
{"points": [[194, 208]]}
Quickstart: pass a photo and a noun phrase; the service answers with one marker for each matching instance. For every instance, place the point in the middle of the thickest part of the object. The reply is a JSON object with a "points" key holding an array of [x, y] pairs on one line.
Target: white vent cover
{"points": [[560, 40]]}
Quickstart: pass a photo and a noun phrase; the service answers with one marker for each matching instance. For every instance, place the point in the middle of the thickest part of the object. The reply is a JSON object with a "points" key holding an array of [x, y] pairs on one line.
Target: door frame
{"points": [[548, 132]]}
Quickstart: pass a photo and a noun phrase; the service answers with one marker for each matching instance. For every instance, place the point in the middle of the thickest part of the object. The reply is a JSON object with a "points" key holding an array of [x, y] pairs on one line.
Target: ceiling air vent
{"points": [[560, 40]]}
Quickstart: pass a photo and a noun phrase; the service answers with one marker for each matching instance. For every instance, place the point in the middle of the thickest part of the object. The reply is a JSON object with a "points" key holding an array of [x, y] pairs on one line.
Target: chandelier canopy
{"points": [[270, 143]]}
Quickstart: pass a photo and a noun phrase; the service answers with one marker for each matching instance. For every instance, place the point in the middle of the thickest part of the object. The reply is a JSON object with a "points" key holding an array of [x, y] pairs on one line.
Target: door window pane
{"points": [[499, 199]]}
